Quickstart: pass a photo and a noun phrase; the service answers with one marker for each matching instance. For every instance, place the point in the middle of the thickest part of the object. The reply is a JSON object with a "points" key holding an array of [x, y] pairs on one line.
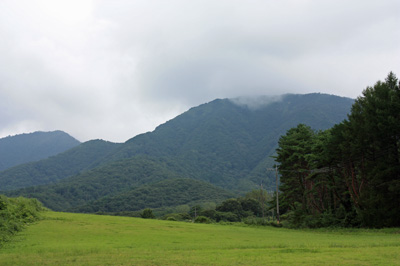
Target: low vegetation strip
{"points": [[82, 239], [15, 213]]}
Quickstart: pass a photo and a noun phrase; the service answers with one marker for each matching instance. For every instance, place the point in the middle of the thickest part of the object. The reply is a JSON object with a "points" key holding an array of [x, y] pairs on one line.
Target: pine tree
{"points": [[350, 174]]}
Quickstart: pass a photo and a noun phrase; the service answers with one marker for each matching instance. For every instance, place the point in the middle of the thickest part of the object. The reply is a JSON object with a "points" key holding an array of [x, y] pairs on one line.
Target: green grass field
{"points": [[79, 239]]}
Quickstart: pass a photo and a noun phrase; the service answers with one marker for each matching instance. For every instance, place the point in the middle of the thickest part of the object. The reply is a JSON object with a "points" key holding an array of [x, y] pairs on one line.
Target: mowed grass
{"points": [[81, 239]]}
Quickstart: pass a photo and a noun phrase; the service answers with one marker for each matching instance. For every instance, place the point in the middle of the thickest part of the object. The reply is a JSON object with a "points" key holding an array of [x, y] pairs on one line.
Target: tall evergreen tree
{"points": [[350, 173], [294, 147], [375, 131]]}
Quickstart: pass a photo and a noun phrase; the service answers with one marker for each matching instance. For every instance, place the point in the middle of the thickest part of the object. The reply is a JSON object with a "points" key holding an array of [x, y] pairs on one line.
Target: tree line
{"points": [[252, 208], [348, 175]]}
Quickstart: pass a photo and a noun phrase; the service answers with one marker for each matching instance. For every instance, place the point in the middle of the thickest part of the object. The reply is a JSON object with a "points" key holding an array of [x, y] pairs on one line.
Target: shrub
{"points": [[176, 217], [208, 213], [147, 214], [226, 217], [15, 214], [202, 219]]}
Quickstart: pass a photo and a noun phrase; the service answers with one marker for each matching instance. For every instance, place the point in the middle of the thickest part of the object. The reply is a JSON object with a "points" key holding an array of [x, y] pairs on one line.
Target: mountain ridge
{"points": [[29, 147], [220, 142]]}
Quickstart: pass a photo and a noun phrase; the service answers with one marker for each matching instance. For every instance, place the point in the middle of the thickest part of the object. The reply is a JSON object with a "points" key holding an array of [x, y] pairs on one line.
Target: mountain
{"points": [[109, 179], [227, 143], [71, 162], [34, 146]]}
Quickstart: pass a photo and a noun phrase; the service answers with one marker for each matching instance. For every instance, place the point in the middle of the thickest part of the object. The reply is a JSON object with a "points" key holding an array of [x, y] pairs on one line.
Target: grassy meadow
{"points": [[81, 239]]}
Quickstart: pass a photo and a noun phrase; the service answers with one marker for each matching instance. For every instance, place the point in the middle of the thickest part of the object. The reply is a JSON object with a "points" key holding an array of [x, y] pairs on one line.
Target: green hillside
{"points": [[31, 147], [55, 168], [227, 143], [166, 193], [94, 184]]}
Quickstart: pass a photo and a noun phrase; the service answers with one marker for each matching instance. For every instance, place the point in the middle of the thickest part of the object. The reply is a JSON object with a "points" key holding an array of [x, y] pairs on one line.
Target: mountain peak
{"points": [[29, 147]]}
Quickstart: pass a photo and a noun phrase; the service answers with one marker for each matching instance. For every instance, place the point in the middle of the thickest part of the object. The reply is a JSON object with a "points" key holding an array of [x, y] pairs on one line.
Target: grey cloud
{"points": [[114, 69], [256, 102]]}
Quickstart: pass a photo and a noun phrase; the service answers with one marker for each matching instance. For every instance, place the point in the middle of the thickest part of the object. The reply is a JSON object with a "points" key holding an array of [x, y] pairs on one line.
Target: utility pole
{"points": [[277, 191], [277, 194], [262, 200], [321, 170]]}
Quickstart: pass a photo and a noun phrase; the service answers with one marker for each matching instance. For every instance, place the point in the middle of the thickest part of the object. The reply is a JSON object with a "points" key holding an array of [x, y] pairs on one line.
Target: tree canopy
{"points": [[348, 175]]}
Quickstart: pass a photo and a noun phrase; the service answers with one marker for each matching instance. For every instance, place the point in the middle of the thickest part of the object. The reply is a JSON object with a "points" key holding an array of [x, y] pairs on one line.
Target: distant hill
{"points": [[31, 147], [51, 170], [105, 180], [166, 193], [227, 143]]}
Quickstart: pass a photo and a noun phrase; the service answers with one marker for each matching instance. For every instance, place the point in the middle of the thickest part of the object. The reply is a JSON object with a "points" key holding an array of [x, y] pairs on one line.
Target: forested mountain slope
{"points": [[227, 143], [166, 193], [109, 179], [31, 147], [55, 168]]}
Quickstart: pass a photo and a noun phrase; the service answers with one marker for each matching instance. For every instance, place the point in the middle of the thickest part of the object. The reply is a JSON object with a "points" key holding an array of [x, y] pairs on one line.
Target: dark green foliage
{"points": [[257, 202], [236, 209], [311, 193], [147, 214], [251, 205], [227, 217], [195, 210], [15, 214], [231, 205], [292, 154], [228, 144], [166, 193], [357, 182], [202, 220], [31, 147], [177, 217], [219, 142], [209, 213], [222, 143], [81, 158], [116, 178], [372, 166]]}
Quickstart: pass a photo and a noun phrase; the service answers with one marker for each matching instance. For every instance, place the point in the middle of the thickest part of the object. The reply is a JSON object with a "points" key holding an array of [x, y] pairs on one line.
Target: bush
{"points": [[177, 217], [209, 213], [147, 214], [15, 214], [230, 205], [299, 219], [226, 217], [202, 219]]}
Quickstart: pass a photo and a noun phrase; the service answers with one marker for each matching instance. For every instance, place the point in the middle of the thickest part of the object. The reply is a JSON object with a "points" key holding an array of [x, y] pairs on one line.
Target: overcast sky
{"points": [[114, 69]]}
